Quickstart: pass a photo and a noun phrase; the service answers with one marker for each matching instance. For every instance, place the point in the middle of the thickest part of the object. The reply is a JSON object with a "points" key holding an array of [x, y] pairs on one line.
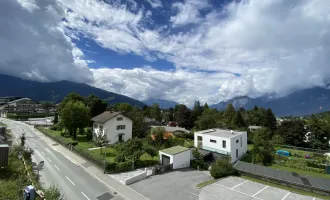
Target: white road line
{"points": [[260, 191], [57, 168], [33, 144], [43, 153], [239, 184], [238, 191], [49, 160], [91, 173], [85, 195], [286, 195], [70, 180]]}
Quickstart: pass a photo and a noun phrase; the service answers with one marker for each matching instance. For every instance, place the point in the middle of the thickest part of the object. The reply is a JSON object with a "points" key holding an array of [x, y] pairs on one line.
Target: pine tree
{"points": [[270, 120], [238, 120], [229, 113]]}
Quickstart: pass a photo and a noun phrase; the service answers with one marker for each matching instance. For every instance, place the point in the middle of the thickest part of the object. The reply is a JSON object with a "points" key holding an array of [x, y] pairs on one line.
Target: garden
{"points": [[292, 160]]}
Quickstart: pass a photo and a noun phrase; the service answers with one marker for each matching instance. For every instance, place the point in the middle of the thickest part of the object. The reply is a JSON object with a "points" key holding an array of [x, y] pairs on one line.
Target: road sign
{"points": [[40, 165]]}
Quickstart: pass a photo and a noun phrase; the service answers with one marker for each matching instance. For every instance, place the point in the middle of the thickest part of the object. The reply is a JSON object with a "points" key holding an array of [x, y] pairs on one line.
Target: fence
{"points": [[289, 179], [303, 149]]}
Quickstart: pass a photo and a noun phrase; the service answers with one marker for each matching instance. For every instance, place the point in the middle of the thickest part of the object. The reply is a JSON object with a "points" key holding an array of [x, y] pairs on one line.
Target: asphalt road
{"points": [[72, 180]]}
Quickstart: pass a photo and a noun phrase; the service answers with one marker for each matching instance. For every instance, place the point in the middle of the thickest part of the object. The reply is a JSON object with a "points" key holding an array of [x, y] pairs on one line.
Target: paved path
{"points": [[76, 178]]}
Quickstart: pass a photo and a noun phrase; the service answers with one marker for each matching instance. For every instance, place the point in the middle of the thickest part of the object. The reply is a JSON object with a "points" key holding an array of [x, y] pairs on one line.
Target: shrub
{"points": [[314, 164], [89, 134], [120, 158], [222, 168], [124, 166], [266, 157], [180, 141], [62, 134], [145, 163]]}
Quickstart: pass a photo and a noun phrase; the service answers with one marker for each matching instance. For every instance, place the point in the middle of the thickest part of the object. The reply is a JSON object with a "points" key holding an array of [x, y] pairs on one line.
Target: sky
{"points": [[181, 50]]}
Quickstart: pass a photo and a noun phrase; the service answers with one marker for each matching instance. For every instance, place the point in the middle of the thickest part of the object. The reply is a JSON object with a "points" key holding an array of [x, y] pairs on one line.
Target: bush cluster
{"points": [[297, 165], [222, 168]]}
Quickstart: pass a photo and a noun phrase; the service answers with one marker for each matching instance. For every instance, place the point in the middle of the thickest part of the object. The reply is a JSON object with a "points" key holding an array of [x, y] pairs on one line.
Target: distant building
{"points": [[18, 106], [224, 142], [254, 128], [115, 125], [174, 130]]}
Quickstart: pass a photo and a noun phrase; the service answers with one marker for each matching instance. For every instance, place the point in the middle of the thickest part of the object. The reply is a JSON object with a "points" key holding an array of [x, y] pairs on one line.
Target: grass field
{"points": [[85, 145]]}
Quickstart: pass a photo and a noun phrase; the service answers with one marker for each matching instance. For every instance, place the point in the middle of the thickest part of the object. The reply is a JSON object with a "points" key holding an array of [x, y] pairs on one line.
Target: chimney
{"points": [[232, 132]]}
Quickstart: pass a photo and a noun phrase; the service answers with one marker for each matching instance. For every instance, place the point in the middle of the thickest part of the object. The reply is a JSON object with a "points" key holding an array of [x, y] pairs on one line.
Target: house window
{"points": [[223, 143], [101, 128], [241, 141], [120, 127], [95, 125], [236, 141], [236, 153], [213, 141], [119, 119]]}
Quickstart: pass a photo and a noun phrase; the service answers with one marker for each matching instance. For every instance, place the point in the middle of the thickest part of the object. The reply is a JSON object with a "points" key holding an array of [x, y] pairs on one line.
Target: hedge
{"points": [[303, 167]]}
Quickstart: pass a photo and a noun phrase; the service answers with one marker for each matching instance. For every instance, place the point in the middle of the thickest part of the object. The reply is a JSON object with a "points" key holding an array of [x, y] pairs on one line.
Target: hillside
{"points": [[165, 104], [299, 103], [56, 91]]}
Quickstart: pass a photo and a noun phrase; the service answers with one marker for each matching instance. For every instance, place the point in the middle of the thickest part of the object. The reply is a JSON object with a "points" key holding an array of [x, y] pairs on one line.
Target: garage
{"points": [[179, 156]]}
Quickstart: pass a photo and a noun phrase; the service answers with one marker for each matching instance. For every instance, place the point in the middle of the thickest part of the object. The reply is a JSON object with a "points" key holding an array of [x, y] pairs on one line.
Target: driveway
{"points": [[174, 185]]}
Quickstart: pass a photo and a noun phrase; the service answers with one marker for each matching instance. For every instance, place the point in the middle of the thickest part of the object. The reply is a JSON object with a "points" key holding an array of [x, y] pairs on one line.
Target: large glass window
{"points": [[223, 143]]}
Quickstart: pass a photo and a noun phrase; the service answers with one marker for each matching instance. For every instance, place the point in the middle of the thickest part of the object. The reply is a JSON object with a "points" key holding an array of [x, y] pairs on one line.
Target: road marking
{"points": [[43, 153], [46, 139], [33, 144], [70, 180], [239, 184], [49, 160], [237, 191], [57, 168], [85, 195], [260, 191], [286, 195]]}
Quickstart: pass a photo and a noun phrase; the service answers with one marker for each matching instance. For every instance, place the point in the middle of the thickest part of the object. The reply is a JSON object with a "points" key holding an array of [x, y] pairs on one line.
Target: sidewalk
{"points": [[94, 171]]}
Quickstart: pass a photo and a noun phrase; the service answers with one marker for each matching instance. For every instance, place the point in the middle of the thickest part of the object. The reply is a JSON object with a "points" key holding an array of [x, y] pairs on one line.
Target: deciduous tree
{"points": [[74, 115], [155, 112], [95, 105]]}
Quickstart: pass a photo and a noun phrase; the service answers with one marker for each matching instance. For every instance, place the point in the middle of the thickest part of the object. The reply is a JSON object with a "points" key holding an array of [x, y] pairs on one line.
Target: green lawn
{"points": [[299, 171], [205, 183], [188, 143], [302, 192], [85, 145]]}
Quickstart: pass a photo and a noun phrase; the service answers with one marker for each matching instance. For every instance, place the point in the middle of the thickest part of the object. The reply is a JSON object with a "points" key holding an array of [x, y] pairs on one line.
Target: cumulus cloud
{"points": [[33, 46], [155, 3], [188, 12], [143, 83], [277, 46]]}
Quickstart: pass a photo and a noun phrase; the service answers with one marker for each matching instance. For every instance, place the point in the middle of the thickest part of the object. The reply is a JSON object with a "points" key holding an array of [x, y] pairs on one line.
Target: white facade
{"points": [[232, 143], [116, 129], [180, 160]]}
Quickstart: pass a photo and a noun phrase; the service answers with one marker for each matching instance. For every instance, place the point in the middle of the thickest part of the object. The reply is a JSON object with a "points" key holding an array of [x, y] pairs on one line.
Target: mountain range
{"points": [[299, 103], [164, 104], [56, 91]]}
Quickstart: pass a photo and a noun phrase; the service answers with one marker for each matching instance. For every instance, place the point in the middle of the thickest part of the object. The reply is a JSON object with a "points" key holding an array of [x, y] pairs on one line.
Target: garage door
{"points": [[166, 160]]}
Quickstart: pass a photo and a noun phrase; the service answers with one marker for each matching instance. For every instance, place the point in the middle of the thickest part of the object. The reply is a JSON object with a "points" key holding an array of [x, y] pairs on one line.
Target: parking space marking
{"points": [[286, 195], [237, 191], [42, 153], [260, 191], [49, 160], [57, 168], [239, 184]]}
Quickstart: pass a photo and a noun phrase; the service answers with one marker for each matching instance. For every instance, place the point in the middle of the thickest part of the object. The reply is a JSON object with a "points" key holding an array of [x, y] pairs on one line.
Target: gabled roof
{"points": [[105, 116]]}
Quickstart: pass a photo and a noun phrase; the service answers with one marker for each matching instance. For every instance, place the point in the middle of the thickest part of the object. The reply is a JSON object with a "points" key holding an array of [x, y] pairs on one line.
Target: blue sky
{"points": [[181, 50]]}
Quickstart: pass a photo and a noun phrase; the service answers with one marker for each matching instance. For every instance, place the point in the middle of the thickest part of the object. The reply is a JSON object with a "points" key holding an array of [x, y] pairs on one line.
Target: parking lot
{"points": [[174, 185], [239, 188]]}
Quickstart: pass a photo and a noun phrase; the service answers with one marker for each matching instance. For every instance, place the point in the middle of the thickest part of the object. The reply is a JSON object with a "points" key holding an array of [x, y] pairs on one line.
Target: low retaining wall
{"points": [[136, 178]]}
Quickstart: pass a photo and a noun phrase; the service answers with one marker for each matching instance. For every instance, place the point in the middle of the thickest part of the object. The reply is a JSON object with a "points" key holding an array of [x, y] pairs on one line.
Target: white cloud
{"points": [[32, 45], [188, 12], [277, 46], [143, 83], [155, 3]]}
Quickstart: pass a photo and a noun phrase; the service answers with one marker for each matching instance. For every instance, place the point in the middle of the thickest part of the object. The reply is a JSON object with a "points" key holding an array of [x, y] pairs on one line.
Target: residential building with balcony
{"points": [[224, 142], [115, 125]]}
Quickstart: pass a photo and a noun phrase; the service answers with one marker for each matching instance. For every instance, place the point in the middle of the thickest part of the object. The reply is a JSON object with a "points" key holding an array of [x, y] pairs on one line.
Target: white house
{"points": [[179, 156], [115, 125], [227, 142]]}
